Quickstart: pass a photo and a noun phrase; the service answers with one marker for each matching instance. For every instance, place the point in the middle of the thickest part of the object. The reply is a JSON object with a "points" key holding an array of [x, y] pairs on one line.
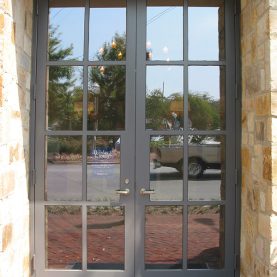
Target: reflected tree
{"points": [[107, 107], [157, 110], [63, 93], [203, 112]]}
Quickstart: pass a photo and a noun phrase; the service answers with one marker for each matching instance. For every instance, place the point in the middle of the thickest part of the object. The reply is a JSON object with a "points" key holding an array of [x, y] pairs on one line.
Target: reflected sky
{"points": [[203, 38], [168, 44], [205, 79], [70, 31], [203, 34]]}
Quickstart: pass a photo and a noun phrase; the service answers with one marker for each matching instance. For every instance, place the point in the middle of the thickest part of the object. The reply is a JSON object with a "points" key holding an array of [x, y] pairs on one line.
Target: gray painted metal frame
{"points": [[136, 135], [143, 138], [127, 139]]}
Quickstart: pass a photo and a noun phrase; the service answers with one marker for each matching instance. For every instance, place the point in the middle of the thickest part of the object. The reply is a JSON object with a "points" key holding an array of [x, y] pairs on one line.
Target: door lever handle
{"points": [[143, 191], [123, 191]]}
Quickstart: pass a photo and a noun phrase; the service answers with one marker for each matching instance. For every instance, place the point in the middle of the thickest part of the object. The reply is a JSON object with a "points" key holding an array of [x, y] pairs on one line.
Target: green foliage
{"points": [[157, 109], [62, 89], [110, 102], [65, 145], [204, 112], [114, 50]]}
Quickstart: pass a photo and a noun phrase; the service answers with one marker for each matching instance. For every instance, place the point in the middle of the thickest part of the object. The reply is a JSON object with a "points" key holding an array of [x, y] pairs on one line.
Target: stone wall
{"points": [[259, 138], [15, 68]]}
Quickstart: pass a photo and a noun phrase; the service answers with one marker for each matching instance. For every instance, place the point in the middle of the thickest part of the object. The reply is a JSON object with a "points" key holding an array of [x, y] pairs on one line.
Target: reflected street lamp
{"points": [[95, 89]]}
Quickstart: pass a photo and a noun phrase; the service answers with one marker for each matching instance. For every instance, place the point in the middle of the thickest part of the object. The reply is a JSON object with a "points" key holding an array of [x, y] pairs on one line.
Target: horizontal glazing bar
{"points": [[84, 63], [184, 132], [164, 63], [206, 63], [86, 133], [205, 203], [207, 133], [81, 203], [183, 203], [65, 63]]}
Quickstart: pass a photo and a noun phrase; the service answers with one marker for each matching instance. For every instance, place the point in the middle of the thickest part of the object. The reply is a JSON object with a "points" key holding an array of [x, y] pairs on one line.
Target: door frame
{"points": [[237, 123]]}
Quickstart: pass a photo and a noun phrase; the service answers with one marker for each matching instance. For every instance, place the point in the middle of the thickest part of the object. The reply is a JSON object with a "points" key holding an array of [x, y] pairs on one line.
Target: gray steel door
{"points": [[135, 138]]}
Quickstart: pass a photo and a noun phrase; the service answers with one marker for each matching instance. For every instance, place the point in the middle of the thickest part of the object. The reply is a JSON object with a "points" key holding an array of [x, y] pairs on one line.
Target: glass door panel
{"points": [[135, 139]]}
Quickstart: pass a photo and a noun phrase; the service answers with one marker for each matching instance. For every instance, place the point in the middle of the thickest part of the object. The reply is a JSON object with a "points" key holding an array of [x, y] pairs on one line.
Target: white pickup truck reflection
{"points": [[204, 153]]}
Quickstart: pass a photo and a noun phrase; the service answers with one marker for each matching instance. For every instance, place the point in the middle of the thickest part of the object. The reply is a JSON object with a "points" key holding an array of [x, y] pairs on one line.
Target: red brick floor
{"points": [[163, 242]]}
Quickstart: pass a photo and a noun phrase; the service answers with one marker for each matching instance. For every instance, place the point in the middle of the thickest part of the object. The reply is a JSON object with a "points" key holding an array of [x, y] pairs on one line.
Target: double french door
{"points": [[135, 138]]}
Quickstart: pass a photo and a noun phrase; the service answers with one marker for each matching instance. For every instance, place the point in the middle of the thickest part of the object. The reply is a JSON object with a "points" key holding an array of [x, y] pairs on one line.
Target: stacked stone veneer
{"points": [[15, 68], [259, 138]]}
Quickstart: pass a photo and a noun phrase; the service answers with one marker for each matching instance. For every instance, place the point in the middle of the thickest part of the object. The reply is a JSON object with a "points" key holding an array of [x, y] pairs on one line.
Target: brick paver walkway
{"points": [[106, 239]]}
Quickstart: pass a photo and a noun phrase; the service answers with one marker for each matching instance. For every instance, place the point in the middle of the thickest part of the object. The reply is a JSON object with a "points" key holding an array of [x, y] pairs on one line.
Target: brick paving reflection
{"points": [[106, 239]]}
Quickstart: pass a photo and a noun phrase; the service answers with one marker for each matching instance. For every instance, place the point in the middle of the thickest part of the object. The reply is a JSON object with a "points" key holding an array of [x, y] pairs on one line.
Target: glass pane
{"points": [[164, 97], [106, 237], [207, 97], [206, 237], [163, 237], [63, 237], [106, 96], [166, 167], [206, 168], [64, 168], [107, 33], [66, 30], [103, 168], [206, 36], [164, 30], [65, 98]]}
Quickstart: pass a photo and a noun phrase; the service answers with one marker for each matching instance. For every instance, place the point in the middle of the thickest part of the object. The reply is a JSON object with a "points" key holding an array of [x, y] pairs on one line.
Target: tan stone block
{"points": [[263, 105], [274, 103], [7, 178], [2, 22], [274, 164], [262, 201], [251, 140], [6, 237], [267, 163], [246, 160], [250, 121], [13, 32], [14, 153], [264, 224], [259, 131], [274, 198]]}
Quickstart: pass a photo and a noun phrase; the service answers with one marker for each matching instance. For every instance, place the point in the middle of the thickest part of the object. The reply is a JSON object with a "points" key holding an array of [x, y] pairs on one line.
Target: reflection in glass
{"points": [[106, 96], [164, 30], [207, 97], [206, 168], [163, 237], [63, 237], [166, 167], [66, 30], [65, 98], [206, 36], [206, 237], [164, 98], [107, 33], [106, 237], [64, 168], [103, 168]]}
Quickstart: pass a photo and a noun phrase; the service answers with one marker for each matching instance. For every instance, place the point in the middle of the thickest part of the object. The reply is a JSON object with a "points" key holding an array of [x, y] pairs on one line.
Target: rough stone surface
{"points": [[15, 72], [259, 120]]}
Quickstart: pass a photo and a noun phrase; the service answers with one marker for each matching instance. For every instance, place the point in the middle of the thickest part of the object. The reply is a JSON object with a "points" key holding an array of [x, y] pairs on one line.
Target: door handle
{"points": [[123, 191], [143, 191]]}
